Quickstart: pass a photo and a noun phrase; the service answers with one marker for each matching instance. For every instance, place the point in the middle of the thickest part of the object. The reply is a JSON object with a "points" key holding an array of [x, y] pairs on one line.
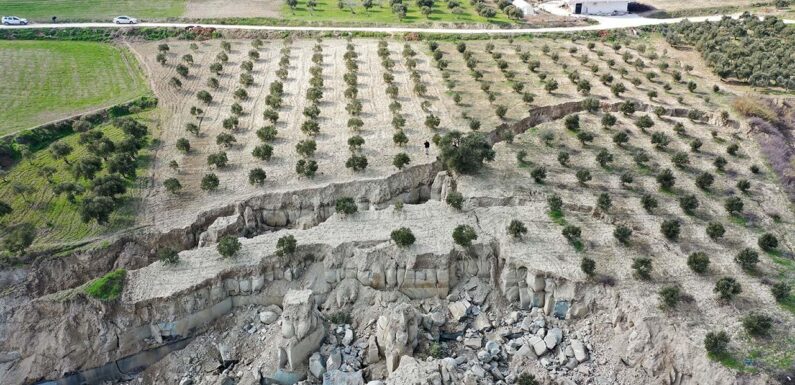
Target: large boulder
{"points": [[397, 333], [302, 329]]}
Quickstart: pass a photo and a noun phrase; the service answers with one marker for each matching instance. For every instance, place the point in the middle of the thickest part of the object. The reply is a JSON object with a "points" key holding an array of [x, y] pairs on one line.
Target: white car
{"points": [[125, 20], [13, 20]]}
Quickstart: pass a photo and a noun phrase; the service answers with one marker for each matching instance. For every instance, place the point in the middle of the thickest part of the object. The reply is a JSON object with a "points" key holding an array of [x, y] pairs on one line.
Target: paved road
{"points": [[604, 23]]}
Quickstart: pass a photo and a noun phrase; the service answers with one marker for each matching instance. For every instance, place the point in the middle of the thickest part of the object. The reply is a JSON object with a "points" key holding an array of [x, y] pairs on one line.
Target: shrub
{"points": [[727, 288], [19, 238], [263, 152], [464, 235], [627, 178], [267, 133], [620, 138], [555, 203], [609, 120], [604, 158], [688, 203], [356, 162], [228, 246], [649, 202], [716, 343], [680, 159], [218, 160], [539, 174], [666, 179], [743, 185], [563, 158], [757, 324], [401, 160], [583, 176], [403, 237], [108, 287], [585, 137], [669, 297], [286, 245], [660, 140], [572, 122], [588, 266], [168, 256], [734, 205], [767, 242], [704, 180], [732, 149], [526, 379], [517, 228], [670, 229], [715, 230], [719, 163], [572, 233], [698, 262], [695, 145], [644, 122], [306, 148], [256, 176], [622, 234], [307, 168], [465, 153], [346, 206], [604, 202], [747, 259], [642, 267], [209, 182], [781, 291], [172, 185], [183, 145]]}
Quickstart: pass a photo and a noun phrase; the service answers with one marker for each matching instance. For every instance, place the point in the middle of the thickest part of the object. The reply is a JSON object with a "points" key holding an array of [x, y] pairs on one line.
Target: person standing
{"points": [[427, 146]]}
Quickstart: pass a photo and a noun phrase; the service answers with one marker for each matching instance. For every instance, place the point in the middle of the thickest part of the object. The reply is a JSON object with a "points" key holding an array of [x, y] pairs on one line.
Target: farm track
{"points": [[603, 23]]}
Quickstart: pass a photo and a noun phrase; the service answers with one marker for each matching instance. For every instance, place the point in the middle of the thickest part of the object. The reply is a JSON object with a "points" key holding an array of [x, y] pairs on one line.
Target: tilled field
{"points": [[332, 149]]}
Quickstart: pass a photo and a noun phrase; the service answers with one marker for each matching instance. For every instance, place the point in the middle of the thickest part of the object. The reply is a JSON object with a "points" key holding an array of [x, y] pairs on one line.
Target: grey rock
{"points": [[459, 309], [334, 360], [268, 317], [481, 322], [539, 346], [553, 338], [473, 342], [579, 350], [372, 351], [186, 381], [493, 348], [484, 356], [348, 338], [316, 365], [338, 377], [478, 371]]}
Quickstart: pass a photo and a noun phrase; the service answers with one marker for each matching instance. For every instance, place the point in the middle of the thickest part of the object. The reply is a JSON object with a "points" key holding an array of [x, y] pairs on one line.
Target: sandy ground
{"points": [[166, 210], [210, 9]]}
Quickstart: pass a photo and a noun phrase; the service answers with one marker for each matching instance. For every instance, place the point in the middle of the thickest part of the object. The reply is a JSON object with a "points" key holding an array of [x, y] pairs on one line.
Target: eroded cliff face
{"points": [[504, 306]]}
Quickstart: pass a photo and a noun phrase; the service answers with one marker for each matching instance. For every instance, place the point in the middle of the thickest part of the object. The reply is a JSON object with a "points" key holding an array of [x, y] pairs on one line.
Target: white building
{"points": [[597, 7]]}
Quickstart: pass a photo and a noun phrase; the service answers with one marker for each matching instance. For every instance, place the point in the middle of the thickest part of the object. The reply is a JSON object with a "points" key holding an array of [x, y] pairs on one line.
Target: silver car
{"points": [[125, 20], [13, 20]]}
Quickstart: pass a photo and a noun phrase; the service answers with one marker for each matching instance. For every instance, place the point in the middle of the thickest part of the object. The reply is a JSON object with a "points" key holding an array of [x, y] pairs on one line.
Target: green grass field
{"points": [[43, 10], [42, 81], [55, 218], [327, 10]]}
